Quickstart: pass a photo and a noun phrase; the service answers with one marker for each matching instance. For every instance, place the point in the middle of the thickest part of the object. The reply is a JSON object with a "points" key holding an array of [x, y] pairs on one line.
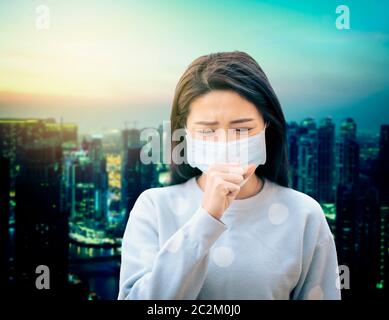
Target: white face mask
{"points": [[203, 153]]}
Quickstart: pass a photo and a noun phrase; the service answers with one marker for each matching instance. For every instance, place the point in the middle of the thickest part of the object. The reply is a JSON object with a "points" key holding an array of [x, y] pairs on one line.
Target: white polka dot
{"points": [[147, 256], [175, 242], [278, 213], [223, 256], [316, 293]]}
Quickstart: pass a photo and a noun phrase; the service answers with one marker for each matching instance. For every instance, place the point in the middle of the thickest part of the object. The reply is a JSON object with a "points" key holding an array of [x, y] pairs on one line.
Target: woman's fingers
{"points": [[230, 188], [223, 184]]}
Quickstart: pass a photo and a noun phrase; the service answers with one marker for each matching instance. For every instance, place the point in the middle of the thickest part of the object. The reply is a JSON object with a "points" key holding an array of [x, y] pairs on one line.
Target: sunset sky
{"points": [[103, 63]]}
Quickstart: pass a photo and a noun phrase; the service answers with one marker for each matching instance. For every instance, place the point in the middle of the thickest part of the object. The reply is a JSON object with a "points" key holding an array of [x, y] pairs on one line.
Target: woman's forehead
{"points": [[221, 105]]}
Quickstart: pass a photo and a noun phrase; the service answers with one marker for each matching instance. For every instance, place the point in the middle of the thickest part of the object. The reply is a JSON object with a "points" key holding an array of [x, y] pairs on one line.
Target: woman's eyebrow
{"points": [[210, 123], [242, 120]]}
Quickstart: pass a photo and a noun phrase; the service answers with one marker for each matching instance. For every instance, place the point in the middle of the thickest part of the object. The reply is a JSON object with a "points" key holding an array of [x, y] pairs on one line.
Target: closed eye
{"points": [[242, 130], [205, 132], [209, 131]]}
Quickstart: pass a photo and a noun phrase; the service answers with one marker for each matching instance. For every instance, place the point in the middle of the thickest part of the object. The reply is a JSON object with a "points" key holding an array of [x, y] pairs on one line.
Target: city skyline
{"points": [[85, 190]]}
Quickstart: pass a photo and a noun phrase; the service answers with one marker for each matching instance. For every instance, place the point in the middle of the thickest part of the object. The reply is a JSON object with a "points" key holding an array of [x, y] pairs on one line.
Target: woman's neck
{"points": [[253, 185]]}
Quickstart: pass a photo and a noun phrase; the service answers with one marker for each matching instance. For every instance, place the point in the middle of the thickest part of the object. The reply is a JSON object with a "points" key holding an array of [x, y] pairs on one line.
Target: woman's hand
{"points": [[222, 185]]}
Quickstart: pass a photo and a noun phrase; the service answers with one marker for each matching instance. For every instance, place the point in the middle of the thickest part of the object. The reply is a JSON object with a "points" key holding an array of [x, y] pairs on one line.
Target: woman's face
{"points": [[223, 115]]}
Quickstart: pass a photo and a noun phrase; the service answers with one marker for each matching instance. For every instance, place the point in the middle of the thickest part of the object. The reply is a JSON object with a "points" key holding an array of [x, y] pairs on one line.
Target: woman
{"points": [[229, 228]]}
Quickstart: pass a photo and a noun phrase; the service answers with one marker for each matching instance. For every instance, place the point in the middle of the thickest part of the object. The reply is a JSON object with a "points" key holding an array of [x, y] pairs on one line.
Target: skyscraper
{"points": [[41, 223], [86, 181], [5, 188], [359, 218], [357, 235], [130, 168], [383, 187], [100, 176], [79, 177], [136, 176], [293, 135], [15, 134], [326, 161], [347, 153], [307, 158]]}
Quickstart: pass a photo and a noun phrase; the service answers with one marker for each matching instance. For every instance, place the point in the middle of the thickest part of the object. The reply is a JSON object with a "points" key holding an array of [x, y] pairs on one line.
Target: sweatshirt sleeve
{"points": [[177, 269], [319, 279]]}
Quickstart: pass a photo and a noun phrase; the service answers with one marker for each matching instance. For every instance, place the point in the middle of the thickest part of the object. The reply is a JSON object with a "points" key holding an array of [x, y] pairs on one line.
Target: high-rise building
{"points": [[383, 161], [348, 128], [360, 217], [81, 187], [86, 182], [326, 161], [307, 158], [41, 222], [383, 188], [293, 136], [15, 134], [5, 188], [130, 168], [136, 176], [357, 236], [100, 176], [347, 154]]}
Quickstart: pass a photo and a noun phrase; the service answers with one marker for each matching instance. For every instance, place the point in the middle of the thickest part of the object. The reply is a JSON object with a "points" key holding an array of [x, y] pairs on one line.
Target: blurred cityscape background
{"points": [[79, 80], [65, 200]]}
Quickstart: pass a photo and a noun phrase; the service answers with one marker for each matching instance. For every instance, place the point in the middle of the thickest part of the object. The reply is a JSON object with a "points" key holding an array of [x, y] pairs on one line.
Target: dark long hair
{"points": [[239, 72]]}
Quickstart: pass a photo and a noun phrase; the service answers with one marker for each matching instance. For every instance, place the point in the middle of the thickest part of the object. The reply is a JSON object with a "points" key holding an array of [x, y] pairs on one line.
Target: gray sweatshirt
{"points": [[273, 245]]}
